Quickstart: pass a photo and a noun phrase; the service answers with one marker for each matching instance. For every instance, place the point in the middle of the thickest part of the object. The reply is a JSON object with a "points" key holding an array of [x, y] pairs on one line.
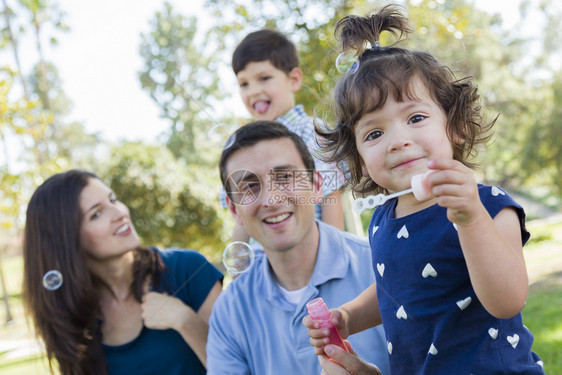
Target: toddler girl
{"points": [[451, 279]]}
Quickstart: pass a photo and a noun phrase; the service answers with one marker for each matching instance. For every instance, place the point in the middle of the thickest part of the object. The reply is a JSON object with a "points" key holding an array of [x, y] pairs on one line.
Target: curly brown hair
{"points": [[391, 69]]}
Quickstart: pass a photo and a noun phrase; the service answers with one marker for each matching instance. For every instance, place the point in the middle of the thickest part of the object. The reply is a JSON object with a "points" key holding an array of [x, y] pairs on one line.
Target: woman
{"points": [[122, 308]]}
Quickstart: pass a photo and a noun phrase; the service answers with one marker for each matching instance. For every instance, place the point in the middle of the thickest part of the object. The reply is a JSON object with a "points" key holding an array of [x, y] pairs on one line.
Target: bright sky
{"points": [[98, 62]]}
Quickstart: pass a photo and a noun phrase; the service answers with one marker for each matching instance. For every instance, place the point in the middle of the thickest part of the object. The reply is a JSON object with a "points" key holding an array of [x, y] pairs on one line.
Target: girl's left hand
{"points": [[161, 311], [454, 186]]}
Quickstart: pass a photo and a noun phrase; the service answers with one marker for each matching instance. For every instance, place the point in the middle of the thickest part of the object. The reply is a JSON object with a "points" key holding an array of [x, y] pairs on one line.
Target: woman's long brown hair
{"points": [[67, 319]]}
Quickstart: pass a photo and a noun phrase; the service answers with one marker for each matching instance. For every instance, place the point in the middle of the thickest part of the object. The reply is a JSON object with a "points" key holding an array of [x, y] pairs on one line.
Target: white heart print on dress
{"points": [[401, 313], [463, 303], [493, 333], [403, 233], [433, 349], [389, 347], [374, 230], [513, 340], [428, 270], [497, 191], [380, 268]]}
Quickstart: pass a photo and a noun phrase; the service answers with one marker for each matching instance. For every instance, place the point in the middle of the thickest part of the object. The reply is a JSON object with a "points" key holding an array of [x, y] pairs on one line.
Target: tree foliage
{"points": [[156, 188], [180, 76], [541, 153], [35, 137]]}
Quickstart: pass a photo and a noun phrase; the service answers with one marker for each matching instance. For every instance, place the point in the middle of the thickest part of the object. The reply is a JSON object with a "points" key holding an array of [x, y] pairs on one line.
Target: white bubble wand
{"points": [[420, 190]]}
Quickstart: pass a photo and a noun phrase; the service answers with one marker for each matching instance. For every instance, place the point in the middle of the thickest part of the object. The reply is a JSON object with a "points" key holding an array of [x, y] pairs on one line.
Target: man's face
{"points": [[272, 194]]}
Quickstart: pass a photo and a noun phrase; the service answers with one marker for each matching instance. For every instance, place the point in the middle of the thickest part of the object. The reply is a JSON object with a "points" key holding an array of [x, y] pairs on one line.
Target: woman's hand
{"points": [[345, 363], [161, 311]]}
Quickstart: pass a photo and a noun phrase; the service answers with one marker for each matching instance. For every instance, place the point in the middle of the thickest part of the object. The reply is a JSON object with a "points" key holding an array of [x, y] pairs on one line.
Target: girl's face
{"points": [[397, 141], [106, 231]]}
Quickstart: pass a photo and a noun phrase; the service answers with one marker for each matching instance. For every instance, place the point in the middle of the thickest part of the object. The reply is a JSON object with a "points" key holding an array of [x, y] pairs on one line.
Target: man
{"points": [[255, 328]]}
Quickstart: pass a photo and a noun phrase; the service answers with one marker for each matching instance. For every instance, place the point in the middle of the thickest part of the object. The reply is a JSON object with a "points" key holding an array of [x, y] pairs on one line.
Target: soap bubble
{"points": [[238, 257], [230, 141], [52, 280], [219, 133], [347, 62]]}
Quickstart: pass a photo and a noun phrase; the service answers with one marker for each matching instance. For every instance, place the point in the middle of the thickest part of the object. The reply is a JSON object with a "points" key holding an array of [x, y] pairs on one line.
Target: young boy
{"points": [[266, 65]]}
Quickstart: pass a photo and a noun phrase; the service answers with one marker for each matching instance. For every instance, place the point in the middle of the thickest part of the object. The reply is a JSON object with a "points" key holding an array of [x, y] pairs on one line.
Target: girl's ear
{"points": [[364, 171], [454, 138], [458, 140]]}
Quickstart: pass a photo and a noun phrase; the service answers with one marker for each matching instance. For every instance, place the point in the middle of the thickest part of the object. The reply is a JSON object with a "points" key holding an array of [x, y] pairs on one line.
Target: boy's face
{"points": [[397, 141], [266, 91]]}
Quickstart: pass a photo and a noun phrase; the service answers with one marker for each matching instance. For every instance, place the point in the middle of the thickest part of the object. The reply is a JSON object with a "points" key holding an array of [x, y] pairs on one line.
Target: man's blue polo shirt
{"points": [[254, 330]]}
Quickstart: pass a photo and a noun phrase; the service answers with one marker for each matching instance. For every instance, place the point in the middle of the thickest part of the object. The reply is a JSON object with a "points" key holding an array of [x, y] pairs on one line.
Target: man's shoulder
{"points": [[356, 241], [351, 239], [244, 288]]}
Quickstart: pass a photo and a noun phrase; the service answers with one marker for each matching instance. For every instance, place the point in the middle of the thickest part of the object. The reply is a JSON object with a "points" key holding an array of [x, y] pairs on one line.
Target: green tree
{"points": [[35, 141], [180, 76], [49, 138], [541, 153], [156, 188]]}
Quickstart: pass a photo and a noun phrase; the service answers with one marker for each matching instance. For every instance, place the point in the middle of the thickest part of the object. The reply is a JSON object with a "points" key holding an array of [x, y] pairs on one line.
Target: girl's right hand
{"points": [[319, 337]]}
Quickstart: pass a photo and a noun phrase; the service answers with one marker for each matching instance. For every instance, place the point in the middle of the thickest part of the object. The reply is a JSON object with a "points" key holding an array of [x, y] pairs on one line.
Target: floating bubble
{"points": [[347, 62], [52, 280], [238, 257], [219, 133], [230, 141]]}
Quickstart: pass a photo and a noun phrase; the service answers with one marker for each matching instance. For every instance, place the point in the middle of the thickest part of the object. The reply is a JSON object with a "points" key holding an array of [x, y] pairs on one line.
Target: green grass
{"points": [[543, 233], [542, 316]]}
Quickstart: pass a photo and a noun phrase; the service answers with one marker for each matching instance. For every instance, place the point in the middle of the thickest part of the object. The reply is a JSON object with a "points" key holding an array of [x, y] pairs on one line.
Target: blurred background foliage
{"points": [[172, 189], [171, 185]]}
